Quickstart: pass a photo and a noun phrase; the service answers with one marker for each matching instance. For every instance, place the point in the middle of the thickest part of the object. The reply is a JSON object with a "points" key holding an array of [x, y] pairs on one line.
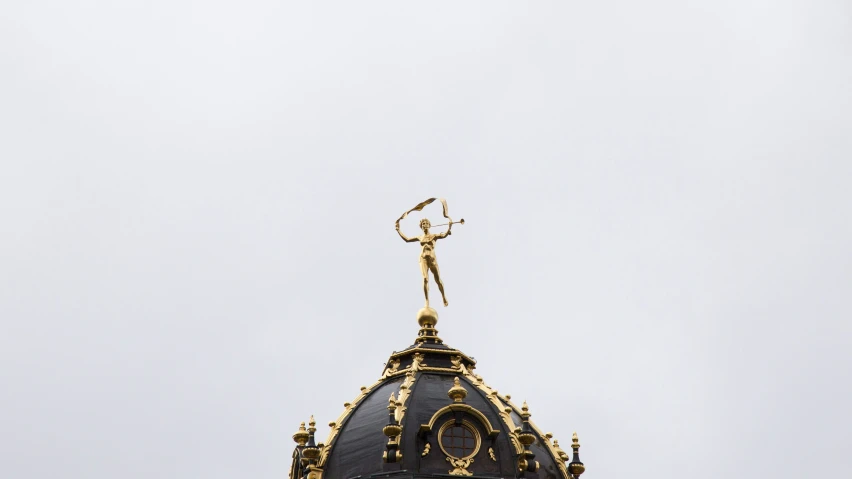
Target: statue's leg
{"points": [[433, 265], [424, 270]]}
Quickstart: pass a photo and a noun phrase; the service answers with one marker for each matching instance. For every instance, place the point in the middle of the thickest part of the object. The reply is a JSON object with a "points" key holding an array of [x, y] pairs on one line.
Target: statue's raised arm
{"points": [[402, 235]]}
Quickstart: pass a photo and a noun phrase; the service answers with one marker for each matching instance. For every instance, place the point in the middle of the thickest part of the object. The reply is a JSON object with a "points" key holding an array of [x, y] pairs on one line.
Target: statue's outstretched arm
{"points": [[445, 233], [402, 235]]}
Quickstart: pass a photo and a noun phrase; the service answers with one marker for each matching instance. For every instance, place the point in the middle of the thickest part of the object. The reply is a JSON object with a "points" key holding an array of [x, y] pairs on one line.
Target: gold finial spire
{"points": [[311, 451], [392, 431], [301, 436], [457, 393], [428, 261], [525, 410], [575, 467]]}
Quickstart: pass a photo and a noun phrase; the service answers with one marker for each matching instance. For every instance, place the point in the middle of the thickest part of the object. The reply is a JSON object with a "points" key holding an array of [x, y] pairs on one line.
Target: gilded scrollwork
{"points": [[417, 362], [393, 366], [460, 466], [404, 393]]}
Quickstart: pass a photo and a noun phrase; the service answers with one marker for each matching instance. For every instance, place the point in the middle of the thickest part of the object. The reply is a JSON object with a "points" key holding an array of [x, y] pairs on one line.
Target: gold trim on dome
{"points": [[460, 464], [404, 393], [314, 472], [545, 439], [392, 368], [460, 407], [421, 349], [338, 424], [491, 395], [424, 369], [294, 464], [471, 427], [503, 403]]}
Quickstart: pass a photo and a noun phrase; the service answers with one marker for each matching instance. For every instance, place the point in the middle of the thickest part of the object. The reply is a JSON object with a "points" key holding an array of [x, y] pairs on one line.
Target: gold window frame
{"points": [[469, 425]]}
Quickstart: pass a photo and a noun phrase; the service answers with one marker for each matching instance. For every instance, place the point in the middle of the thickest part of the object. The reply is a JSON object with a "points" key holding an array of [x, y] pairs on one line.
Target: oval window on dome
{"points": [[459, 441]]}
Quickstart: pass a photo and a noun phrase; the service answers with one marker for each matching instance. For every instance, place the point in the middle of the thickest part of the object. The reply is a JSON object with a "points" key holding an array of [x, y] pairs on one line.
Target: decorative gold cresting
{"points": [[428, 261], [491, 394], [563, 456], [550, 447], [338, 424]]}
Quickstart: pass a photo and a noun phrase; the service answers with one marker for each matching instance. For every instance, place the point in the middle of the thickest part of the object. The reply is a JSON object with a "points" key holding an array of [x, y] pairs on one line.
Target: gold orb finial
{"points": [[457, 393], [427, 317], [392, 402]]}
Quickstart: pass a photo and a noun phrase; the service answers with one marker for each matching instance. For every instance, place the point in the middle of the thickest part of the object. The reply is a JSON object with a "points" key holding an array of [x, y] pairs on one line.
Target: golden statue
{"points": [[428, 261]]}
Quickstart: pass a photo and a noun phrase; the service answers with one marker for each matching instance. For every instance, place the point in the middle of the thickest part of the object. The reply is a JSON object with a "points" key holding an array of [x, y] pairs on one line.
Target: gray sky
{"points": [[197, 204]]}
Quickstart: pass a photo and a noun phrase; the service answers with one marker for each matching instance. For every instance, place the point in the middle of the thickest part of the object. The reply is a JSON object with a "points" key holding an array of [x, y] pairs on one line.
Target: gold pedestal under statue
{"points": [[427, 318]]}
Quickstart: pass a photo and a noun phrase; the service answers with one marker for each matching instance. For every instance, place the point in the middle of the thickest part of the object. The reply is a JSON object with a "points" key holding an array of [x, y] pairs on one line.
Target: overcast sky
{"points": [[197, 248]]}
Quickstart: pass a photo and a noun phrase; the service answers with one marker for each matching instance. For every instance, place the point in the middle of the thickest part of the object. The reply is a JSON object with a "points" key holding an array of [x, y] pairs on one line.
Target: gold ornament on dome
{"points": [[301, 436], [457, 393], [460, 457], [427, 240]]}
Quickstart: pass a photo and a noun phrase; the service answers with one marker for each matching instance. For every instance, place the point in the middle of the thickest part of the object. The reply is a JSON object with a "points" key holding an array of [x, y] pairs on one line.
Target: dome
{"points": [[430, 414]]}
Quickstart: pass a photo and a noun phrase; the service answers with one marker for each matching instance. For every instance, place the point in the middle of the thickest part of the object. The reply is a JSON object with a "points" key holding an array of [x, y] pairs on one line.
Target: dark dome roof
{"points": [[430, 414]]}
